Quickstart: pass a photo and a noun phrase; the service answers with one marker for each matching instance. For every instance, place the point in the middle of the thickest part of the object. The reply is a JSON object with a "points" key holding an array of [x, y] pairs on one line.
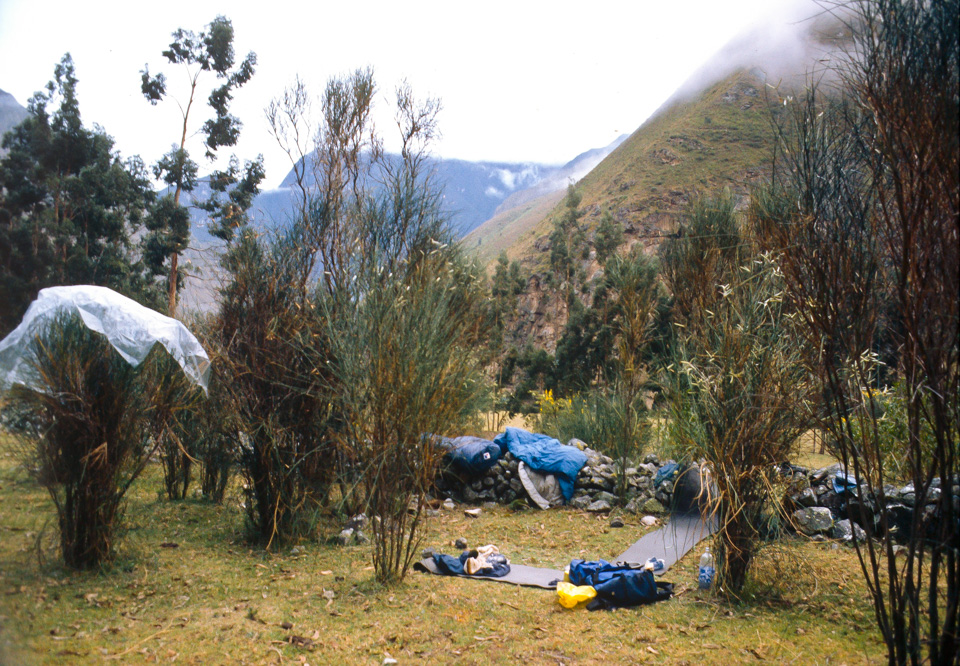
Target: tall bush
{"points": [[94, 412], [169, 426], [338, 328], [865, 208], [263, 327], [210, 433], [405, 369], [633, 279], [738, 391]]}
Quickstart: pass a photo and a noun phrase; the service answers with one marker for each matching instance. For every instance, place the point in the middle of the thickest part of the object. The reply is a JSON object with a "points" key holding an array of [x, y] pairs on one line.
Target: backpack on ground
{"points": [[618, 585]]}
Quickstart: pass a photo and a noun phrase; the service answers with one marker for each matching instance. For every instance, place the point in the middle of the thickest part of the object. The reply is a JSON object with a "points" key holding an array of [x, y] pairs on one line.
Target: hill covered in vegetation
{"points": [[714, 132]]}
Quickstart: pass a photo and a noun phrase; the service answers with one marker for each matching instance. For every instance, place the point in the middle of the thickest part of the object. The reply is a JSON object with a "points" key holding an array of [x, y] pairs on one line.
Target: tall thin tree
{"points": [[199, 54]]}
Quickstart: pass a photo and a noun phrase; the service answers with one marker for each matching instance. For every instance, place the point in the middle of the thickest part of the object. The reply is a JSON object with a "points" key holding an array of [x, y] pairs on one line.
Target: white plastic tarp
{"points": [[131, 329]]}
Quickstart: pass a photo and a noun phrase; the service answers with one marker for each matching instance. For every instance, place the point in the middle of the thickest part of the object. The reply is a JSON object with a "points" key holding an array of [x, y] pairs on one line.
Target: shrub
{"points": [[403, 367], [563, 418], [94, 411], [340, 330], [882, 418], [864, 207], [169, 425], [210, 432], [738, 391], [601, 419], [264, 327]]}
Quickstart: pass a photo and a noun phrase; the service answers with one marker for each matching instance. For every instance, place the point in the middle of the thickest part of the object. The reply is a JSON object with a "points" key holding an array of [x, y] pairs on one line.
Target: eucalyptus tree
{"points": [[201, 55]]}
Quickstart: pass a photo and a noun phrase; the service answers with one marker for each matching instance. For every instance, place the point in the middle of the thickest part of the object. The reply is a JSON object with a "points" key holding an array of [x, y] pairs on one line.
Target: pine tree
{"points": [[68, 204]]}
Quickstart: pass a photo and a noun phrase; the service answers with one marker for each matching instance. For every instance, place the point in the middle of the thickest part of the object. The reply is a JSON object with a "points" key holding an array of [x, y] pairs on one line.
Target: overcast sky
{"points": [[519, 81]]}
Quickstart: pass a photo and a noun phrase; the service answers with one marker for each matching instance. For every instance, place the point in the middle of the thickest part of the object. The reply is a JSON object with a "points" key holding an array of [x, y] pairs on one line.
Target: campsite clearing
{"points": [[187, 587]]}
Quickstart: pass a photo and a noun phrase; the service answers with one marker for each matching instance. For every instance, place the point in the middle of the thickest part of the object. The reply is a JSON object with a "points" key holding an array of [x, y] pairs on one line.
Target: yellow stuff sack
{"points": [[570, 595]]}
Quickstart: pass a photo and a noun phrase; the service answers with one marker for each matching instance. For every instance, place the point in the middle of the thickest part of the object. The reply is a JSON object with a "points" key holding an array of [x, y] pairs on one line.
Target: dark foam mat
{"points": [[672, 541], [669, 543]]}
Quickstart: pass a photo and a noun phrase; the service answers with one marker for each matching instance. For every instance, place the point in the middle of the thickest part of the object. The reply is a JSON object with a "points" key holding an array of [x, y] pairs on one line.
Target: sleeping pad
{"points": [[544, 454]]}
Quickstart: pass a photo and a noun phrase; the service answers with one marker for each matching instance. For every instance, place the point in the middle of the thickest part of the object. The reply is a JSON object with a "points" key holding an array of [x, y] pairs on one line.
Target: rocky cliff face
{"points": [[540, 317]]}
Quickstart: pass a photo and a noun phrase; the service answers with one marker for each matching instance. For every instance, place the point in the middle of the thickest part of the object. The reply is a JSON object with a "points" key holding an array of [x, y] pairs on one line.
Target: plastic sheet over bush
{"points": [[129, 327]]}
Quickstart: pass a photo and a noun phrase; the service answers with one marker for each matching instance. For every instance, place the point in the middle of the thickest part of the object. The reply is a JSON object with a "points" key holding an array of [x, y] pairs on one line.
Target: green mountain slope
{"points": [[714, 132], [721, 138]]}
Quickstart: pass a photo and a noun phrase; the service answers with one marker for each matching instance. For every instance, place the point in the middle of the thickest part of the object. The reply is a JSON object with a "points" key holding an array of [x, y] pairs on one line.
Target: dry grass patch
{"points": [[211, 598]]}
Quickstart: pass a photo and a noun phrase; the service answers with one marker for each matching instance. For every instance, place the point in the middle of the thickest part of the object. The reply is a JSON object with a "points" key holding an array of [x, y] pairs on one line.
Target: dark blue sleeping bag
{"points": [[618, 585], [471, 455]]}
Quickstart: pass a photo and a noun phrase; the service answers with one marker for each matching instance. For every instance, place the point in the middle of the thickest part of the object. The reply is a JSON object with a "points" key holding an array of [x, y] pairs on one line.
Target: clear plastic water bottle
{"points": [[707, 571]]}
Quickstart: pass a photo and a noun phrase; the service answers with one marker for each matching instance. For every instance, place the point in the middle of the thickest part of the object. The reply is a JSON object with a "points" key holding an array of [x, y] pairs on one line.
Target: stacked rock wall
{"points": [[814, 506], [818, 510], [594, 489]]}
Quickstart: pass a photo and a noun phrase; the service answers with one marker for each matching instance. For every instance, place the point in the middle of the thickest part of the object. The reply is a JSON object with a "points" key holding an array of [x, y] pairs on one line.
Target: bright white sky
{"points": [[518, 80]]}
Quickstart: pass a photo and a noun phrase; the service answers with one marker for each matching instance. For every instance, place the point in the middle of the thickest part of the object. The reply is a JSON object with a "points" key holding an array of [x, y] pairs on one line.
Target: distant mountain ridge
{"points": [[558, 180], [474, 191], [11, 115]]}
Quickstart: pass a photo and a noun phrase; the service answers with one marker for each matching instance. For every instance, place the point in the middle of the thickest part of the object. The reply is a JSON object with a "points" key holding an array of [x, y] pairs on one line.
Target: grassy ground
{"points": [[186, 588]]}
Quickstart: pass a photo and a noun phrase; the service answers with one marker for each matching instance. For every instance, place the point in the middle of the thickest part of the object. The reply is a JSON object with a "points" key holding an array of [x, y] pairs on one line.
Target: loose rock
{"points": [[581, 502], [845, 530], [599, 506], [806, 498], [604, 496], [814, 520], [652, 506]]}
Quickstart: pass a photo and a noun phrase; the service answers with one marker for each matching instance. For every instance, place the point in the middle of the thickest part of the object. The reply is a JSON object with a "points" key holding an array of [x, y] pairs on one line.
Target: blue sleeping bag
{"points": [[471, 454], [544, 454], [618, 585]]}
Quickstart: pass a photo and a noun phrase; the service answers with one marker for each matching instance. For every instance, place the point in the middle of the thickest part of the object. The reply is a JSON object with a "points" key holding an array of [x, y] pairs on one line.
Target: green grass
{"points": [[215, 599]]}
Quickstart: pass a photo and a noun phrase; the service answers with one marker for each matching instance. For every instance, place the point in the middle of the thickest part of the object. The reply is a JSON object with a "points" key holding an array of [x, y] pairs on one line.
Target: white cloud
{"points": [[508, 178]]}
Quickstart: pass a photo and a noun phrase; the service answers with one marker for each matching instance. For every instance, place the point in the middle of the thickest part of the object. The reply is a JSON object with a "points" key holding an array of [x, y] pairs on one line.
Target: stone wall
{"points": [[593, 491], [818, 510], [813, 505]]}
